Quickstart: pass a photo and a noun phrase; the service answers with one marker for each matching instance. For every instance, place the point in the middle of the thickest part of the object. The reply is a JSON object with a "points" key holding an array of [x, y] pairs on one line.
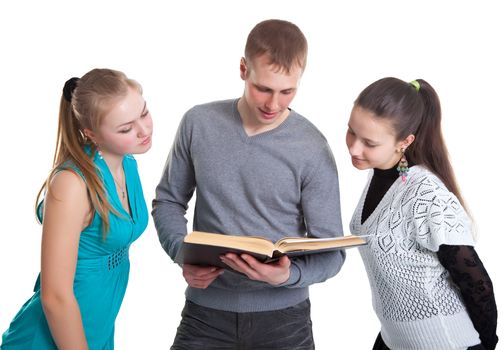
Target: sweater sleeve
{"points": [[440, 218], [322, 215], [174, 192], [469, 274]]}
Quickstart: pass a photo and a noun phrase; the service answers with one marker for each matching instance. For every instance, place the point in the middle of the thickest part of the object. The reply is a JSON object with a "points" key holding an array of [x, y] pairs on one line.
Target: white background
{"points": [[186, 53]]}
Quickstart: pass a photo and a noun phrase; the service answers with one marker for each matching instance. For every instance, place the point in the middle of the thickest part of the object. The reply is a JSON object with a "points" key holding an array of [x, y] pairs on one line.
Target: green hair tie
{"points": [[415, 84]]}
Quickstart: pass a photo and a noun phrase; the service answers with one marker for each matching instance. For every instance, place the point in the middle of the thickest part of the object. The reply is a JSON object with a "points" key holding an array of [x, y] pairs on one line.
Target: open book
{"points": [[203, 248]]}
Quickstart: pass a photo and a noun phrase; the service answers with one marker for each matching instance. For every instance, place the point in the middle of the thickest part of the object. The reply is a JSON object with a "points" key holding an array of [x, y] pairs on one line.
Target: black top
{"points": [[462, 262], [380, 183]]}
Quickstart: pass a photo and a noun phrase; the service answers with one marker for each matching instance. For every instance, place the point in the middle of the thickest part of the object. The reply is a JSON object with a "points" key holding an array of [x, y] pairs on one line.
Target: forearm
{"points": [[485, 321], [65, 322], [470, 276], [482, 310], [314, 268]]}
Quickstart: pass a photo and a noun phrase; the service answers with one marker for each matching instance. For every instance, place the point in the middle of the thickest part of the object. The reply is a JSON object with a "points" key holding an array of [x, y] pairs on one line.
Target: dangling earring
{"points": [[100, 156], [402, 168]]}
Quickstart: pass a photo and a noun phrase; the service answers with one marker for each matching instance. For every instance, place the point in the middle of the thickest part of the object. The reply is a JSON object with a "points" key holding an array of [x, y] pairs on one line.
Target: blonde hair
{"points": [[91, 99]]}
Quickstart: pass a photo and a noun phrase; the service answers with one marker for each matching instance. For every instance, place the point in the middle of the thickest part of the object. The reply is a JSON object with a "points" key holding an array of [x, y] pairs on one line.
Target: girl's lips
{"points": [[357, 160], [146, 141]]}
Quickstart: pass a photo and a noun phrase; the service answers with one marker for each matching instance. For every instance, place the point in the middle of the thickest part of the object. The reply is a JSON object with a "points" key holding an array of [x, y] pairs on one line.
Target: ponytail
{"points": [[429, 148]]}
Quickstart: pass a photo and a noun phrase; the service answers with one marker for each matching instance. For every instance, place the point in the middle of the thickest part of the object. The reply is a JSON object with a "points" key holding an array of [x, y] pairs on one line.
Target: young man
{"points": [[259, 168]]}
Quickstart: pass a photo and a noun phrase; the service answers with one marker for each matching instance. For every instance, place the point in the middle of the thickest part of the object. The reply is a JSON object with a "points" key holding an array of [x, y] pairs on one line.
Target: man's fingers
{"points": [[199, 270], [200, 277]]}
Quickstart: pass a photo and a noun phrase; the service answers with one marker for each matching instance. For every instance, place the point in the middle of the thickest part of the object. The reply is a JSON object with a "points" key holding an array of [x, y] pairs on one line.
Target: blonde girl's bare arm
{"points": [[66, 214]]}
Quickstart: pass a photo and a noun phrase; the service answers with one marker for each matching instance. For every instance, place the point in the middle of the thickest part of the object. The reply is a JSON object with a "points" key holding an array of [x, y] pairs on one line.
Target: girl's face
{"points": [[371, 141], [126, 128]]}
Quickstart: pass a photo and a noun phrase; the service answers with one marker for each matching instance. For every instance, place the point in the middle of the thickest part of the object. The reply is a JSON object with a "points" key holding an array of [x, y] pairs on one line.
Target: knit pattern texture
{"points": [[412, 292]]}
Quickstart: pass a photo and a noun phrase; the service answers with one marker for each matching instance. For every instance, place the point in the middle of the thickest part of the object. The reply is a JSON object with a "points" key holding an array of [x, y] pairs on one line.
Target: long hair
{"points": [[94, 94], [418, 112]]}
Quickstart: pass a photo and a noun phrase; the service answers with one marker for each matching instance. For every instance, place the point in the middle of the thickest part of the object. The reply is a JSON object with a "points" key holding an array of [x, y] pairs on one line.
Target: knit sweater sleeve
{"points": [[469, 274], [174, 192], [322, 215], [439, 217]]}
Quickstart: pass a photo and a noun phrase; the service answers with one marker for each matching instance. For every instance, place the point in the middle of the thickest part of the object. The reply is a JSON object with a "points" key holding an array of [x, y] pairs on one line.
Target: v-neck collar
{"points": [[113, 194], [385, 199], [241, 128]]}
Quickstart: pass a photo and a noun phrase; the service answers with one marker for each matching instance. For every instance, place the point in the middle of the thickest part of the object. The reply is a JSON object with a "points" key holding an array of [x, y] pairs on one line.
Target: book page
{"points": [[253, 244], [290, 244]]}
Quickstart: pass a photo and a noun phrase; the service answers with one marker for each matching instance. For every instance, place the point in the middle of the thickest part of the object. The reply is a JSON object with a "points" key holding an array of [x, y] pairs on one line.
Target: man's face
{"points": [[268, 92]]}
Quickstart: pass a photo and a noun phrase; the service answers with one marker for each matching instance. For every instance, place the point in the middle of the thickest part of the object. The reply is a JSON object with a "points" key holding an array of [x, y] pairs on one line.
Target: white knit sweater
{"points": [[413, 296]]}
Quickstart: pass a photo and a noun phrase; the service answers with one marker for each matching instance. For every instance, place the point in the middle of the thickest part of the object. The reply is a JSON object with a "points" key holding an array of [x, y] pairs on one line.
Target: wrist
{"points": [[294, 276]]}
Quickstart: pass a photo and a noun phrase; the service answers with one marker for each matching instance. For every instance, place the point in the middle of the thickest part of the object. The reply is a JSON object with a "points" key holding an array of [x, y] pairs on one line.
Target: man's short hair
{"points": [[282, 41]]}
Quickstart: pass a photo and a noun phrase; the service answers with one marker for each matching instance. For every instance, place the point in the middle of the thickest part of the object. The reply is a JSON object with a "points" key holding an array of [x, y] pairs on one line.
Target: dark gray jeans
{"points": [[204, 328]]}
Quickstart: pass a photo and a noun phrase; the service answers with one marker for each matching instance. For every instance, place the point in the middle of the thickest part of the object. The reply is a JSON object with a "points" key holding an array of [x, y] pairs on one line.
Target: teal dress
{"points": [[101, 275]]}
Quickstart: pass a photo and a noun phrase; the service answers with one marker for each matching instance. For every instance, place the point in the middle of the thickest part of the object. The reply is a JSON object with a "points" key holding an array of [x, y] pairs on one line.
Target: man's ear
{"points": [[243, 68]]}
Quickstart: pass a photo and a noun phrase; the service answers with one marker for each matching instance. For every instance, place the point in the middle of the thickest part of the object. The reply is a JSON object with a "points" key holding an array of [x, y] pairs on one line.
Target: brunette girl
{"points": [[430, 289]]}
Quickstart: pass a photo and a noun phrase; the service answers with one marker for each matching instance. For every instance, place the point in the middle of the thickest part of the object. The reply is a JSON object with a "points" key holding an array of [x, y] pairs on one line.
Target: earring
{"points": [[402, 168], [83, 136], [100, 156]]}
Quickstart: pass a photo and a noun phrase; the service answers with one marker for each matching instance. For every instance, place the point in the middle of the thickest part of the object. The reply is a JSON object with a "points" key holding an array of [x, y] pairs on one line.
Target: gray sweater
{"points": [[279, 183]]}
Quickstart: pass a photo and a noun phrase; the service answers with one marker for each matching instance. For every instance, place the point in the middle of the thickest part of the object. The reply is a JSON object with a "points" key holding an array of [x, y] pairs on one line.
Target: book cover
{"points": [[205, 249]]}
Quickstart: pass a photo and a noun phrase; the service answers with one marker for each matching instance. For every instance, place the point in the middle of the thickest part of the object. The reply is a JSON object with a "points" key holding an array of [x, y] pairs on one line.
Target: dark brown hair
{"points": [[416, 112], [282, 41]]}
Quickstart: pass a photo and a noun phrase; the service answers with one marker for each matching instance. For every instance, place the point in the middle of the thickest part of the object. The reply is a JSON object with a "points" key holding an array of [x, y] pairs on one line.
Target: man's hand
{"points": [[272, 273], [200, 277]]}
